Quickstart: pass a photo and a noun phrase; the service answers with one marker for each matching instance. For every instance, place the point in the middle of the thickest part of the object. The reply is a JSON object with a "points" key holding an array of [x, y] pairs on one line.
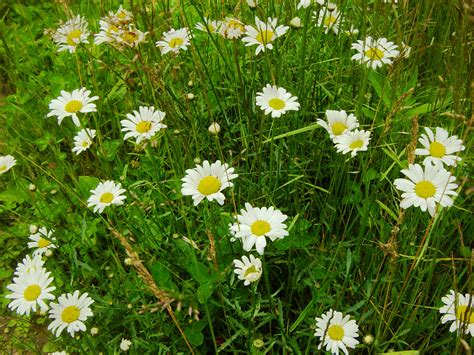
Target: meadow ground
{"points": [[236, 176]]}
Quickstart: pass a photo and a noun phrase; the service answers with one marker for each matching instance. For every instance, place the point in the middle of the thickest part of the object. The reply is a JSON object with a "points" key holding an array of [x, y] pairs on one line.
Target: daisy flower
{"points": [[338, 122], [247, 269], [459, 309], [69, 313], [232, 28], [439, 147], [352, 31], [174, 40], [143, 124], [208, 181], [353, 142], [306, 3], [375, 53], [336, 332], [122, 15], [264, 34], [29, 264], [329, 19], [6, 163], [68, 104], [254, 224], [211, 26], [83, 140], [276, 101], [29, 291], [42, 240], [73, 32], [105, 194], [425, 188], [303, 4], [130, 37], [108, 32], [406, 50]]}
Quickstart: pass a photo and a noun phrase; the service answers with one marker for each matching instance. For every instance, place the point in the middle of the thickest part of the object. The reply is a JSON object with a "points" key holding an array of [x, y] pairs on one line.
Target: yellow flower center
{"points": [[276, 103], [129, 37], [32, 292], [121, 15], [85, 144], [111, 29], [209, 185], [260, 228], [336, 332], [176, 42], [265, 36], [374, 53], [3, 168], [425, 189], [338, 128], [251, 270], [70, 314], [73, 106], [437, 150], [43, 243], [143, 126], [329, 21], [235, 24], [107, 197], [356, 144], [73, 37], [465, 314]]}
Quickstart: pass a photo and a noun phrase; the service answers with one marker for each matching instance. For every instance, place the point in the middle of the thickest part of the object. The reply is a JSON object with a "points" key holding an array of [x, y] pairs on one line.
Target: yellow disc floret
{"points": [[336, 332], [70, 314], [209, 185], [260, 228], [425, 189], [32, 292]]}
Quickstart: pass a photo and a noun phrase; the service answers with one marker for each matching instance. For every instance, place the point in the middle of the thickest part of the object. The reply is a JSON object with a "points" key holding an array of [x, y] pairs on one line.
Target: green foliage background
{"points": [[341, 211]]}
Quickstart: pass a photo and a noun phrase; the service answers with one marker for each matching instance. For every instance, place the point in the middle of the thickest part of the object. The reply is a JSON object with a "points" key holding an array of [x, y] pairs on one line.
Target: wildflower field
{"points": [[241, 177]]}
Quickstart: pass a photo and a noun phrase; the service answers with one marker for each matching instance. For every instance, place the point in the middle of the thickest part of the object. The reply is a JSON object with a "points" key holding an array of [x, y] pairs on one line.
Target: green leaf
{"points": [[200, 272], [195, 338], [160, 273], [205, 291], [111, 147], [381, 87]]}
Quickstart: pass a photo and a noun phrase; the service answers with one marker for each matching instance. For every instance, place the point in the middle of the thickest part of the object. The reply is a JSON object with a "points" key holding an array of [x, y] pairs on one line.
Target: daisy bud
{"points": [[48, 253], [214, 128], [129, 306], [53, 192], [176, 131], [190, 96], [197, 160], [252, 3], [368, 339], [128, 261], [258, 343], [125, 344], [111, 275], [94, 331], [33, 229], [190, 83], [32, 187], [295, 22]]}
